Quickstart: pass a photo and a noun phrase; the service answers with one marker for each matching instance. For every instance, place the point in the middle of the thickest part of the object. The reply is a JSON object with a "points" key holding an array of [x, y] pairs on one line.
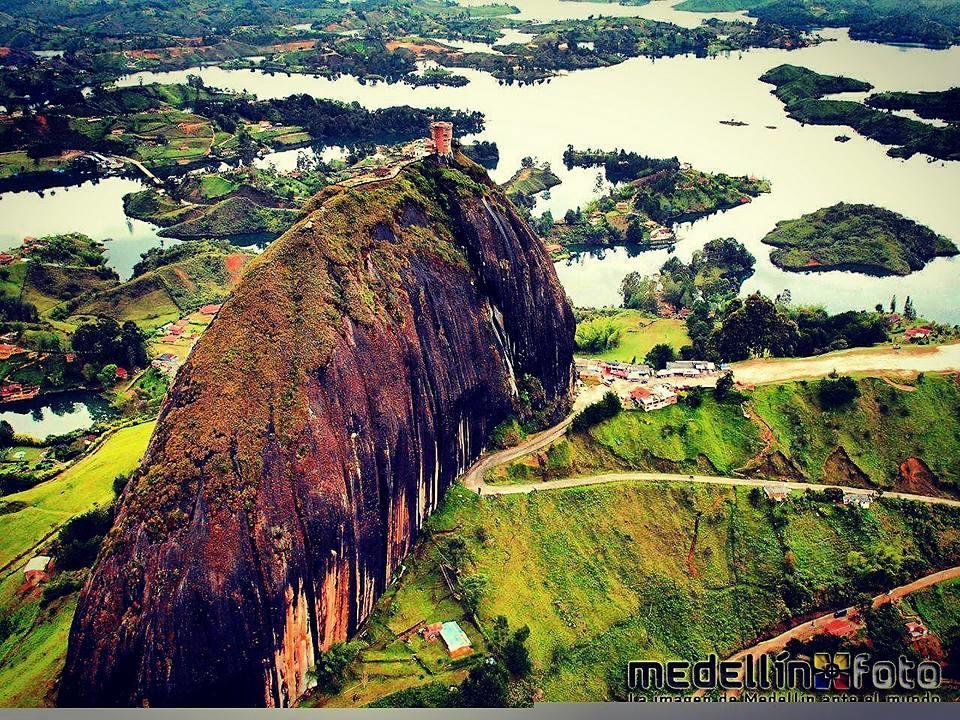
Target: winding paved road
{"points": [[474, 477]]}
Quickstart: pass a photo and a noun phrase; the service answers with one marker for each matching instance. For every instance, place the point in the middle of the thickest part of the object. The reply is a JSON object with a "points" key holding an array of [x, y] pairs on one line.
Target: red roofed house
{"points": [[432, 631], [210, 309], [122, 374], [37, 570], [8, 351], [916, 630], [6, 258], [777, 492], [652, 398], [918, 332]]}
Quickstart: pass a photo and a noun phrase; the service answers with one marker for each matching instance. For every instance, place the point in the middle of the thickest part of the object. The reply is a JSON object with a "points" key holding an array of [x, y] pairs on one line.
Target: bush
{"points": [[80, 538], [597, 335], [120, 482], [694, 398], [487, 685], [604, 409], [837, 393], [6, 434], [332, 665], [60, 588], [434, 694], [559, 459], [515, 654], [474, 587], [724, 386], [659, 356], [507, 434]]}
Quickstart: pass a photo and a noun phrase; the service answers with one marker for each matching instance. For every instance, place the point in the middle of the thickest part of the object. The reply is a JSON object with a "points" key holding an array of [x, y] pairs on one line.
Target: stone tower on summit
{"points": [[442, 135]]}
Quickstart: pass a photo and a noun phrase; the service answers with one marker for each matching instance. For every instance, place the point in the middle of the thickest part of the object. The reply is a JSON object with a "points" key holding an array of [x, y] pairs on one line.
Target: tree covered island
{"points": [[802, 91], [648, 196], [862, 238]]}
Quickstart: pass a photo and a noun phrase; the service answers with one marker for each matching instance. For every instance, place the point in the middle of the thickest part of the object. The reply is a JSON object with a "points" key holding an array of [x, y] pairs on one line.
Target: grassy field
{"points": [[606, 574], [33, 648], [31, 515], [715, 432], [939, 607], [30, 662], [882, 428], [640, 332], [17, 162]]}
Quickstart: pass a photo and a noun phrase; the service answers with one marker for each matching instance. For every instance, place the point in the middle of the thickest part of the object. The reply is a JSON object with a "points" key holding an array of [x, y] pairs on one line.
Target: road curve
{"points": [[473, 478]]}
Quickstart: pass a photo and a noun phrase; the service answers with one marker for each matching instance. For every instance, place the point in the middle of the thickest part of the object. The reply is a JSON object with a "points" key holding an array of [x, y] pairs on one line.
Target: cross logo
{"points": [[832, 672]]}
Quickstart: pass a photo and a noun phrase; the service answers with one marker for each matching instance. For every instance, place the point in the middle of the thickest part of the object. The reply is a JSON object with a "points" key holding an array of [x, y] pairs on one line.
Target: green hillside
{"points": [[861, 445], [612, 573], [171, 283], [33, 633]]}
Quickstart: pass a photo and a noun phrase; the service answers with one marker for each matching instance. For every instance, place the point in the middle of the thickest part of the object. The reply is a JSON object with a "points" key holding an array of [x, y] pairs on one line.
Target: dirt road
{"points": [[809, 629], [473, 478], [476, 479], [860, 361]]}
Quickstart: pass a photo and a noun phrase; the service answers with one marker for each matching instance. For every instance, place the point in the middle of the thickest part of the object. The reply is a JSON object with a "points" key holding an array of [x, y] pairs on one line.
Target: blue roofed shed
{"points": [[456, 640]]}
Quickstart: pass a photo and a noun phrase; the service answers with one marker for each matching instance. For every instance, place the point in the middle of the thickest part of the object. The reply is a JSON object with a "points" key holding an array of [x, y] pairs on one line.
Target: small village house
{"points": [[37, 570], [651, 398], [432, 631], [776, 492], [456, 640], [860, 500], [916, 629]]}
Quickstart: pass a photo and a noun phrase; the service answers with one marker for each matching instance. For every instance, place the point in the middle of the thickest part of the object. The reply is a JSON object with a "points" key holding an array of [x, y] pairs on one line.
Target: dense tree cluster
{"points": [[714, 275], [837, 392], [618, 165], [756, 326], [336, 122], [603, 409], [105, 341], [79, 540]]}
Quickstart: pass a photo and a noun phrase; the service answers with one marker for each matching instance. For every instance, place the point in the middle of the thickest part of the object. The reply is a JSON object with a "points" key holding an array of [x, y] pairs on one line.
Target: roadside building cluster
{"points": [[641, 387]]}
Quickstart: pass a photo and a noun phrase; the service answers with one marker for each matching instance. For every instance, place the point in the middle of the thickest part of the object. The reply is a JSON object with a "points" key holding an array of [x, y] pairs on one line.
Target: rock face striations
{"points": [[357, 370]]}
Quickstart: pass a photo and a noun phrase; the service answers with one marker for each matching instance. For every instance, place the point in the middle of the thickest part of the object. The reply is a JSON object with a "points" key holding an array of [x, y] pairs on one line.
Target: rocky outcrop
{"points": [[354, 374]]}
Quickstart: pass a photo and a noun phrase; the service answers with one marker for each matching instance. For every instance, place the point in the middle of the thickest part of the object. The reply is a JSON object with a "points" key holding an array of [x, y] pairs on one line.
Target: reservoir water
{"points": [[93, 208], [57, 414], [673, 106]]}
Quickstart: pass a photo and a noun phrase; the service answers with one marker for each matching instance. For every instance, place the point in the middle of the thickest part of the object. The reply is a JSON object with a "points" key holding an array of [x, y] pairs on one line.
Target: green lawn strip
{"points": [[29, 668], [639, 333], [82, 486], [680, 434]]}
